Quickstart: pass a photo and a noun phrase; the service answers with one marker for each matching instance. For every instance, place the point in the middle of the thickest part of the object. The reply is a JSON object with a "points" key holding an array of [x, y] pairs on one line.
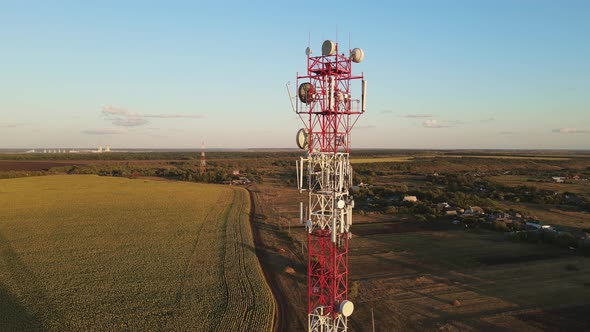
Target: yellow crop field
{"points": [[82, 253]]}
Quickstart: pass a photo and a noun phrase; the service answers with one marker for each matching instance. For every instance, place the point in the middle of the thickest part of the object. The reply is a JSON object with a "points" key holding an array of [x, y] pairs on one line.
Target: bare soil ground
{"points": [[281, 261], [462, 281]]}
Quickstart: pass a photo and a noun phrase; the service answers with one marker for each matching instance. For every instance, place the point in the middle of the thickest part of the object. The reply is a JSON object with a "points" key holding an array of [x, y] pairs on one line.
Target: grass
{"points": [[380, 160], [503, 157], [579, 187], [413, 279], [99, 253], [551, 214]]}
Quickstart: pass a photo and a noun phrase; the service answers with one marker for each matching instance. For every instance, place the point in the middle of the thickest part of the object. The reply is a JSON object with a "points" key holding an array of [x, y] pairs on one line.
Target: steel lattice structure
{"points": [[328, 110], [203, 164]]}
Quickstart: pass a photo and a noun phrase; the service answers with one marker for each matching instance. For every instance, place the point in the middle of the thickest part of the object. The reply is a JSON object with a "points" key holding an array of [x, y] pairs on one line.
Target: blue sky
{"points": [[441, 74]]}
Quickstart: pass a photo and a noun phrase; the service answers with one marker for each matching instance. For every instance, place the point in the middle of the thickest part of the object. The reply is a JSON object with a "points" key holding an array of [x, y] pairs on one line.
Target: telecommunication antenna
{"points": [[328, 111], [203, 167]]}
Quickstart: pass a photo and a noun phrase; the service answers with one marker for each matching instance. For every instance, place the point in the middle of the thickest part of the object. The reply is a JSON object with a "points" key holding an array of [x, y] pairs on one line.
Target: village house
{"points": [[539, 226], [500, 216], [443, 205], [412, 199], [558, 179], [474, 211]]}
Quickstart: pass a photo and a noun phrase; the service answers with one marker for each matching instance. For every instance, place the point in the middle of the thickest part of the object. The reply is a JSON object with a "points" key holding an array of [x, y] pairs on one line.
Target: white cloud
{"points": [[571, 131], [432, 123], [130, 122], [365, 127], [175, 116], [491, 119], [412, 116], [10, 124], [124, 118], [104, 131]]}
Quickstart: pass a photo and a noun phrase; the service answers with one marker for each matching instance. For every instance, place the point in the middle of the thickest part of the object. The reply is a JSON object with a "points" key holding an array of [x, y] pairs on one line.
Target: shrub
{"points": [[500, 226], [549, 236], [391, 210], [566, 239], [533, 236]]}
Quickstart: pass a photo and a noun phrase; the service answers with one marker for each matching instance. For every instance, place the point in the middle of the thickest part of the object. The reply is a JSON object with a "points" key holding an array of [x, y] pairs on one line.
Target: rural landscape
{"points": [[441, 241], [318, 166]]}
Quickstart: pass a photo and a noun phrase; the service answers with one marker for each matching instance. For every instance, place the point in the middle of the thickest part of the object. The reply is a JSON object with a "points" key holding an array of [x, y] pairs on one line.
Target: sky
{"points": [[168, 74]]}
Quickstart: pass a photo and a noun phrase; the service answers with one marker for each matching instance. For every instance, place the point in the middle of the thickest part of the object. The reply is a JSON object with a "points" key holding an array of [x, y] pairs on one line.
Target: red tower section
{"points": [[329, 111]]}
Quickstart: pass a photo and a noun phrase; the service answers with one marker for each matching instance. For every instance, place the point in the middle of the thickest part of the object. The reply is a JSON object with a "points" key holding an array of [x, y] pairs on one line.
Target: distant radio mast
{"points": [[203, 162]]}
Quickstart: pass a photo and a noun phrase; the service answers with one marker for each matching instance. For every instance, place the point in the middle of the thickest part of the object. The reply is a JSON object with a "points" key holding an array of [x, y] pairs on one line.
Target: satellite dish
{"points": [[306, 92], [328, 48], [346, 308], [357, 55], [308, 51], [302, 138], [341, 204]]}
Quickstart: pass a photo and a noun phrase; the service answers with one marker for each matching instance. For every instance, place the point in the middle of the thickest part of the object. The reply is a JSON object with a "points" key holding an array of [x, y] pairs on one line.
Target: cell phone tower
{"points": [[328, 111], [203, 165]]}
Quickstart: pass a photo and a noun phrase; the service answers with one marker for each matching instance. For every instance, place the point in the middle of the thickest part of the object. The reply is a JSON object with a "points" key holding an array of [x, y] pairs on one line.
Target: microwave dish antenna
{"points": [[306, 92], [302, 138], [328, 48], [357, 55]]}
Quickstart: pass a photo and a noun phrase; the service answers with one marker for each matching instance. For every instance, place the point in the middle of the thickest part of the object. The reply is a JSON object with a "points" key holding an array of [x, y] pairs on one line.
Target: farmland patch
{"points": [[102, 253]]}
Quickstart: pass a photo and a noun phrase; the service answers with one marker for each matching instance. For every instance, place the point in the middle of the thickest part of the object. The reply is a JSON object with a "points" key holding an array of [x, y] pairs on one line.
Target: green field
{"points": [[380, 160], [543, 183], [101, 253], [515, 157]]}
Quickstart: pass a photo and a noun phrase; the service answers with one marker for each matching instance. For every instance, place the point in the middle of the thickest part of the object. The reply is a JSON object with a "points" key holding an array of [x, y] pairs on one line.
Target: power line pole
{"points": [[373, 319]]}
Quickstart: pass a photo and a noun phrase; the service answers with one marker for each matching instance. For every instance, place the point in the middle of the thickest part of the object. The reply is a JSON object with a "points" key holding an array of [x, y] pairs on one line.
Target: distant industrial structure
{"points": [[328, 111], [100, 149], [60, 150]]}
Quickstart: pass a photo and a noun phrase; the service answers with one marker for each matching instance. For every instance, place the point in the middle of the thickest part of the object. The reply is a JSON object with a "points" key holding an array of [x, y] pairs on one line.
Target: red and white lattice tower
{"points": [[329, 110], [203, 162]]}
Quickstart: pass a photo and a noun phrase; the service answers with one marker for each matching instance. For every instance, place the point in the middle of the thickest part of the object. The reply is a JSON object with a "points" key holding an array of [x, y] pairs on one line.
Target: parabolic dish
{"points": [[346, 308], [328, 48], [302, 139], [308, 51], [357, 55], [306, 92]]}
